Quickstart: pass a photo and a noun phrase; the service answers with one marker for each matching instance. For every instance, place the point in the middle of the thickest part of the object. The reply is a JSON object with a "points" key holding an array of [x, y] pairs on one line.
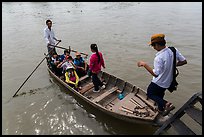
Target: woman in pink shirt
{"points": [[95, 63]]}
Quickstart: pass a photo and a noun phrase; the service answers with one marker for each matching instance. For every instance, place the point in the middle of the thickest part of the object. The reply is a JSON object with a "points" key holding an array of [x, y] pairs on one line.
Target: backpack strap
{"points": [[175, 70]]}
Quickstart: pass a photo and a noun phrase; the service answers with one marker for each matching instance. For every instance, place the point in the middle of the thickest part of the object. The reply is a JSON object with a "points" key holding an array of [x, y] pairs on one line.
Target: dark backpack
{"points": [[174, 83]]}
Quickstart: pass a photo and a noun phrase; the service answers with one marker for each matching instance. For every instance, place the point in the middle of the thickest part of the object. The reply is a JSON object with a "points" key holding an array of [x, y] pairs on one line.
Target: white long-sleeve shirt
{"points": [[49, 36], [163, 67]]}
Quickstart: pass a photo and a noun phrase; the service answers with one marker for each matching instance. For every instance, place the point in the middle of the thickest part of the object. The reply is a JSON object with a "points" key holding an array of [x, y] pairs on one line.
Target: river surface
{"points": [[121, 30]]}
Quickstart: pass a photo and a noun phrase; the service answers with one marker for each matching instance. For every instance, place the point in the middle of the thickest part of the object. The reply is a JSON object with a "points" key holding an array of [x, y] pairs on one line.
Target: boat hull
{"points": [[128, 117]]}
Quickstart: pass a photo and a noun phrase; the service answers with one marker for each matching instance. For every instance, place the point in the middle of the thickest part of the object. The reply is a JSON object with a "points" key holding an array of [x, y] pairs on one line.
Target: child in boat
{"points": [[54, 63], [68, 61], [71, 77], [66, 54], [81, 65]]}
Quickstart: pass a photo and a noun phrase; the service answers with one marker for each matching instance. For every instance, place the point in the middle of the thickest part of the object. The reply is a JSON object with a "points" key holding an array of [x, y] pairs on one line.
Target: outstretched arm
{"points": [[56, 38], [147, 67]]}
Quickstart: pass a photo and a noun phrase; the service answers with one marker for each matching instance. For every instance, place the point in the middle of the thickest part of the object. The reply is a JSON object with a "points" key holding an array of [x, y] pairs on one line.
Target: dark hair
{"points": [[70, 58], [161, 43], [54, 53], [95, 48], [66, 50], [48, 21]]}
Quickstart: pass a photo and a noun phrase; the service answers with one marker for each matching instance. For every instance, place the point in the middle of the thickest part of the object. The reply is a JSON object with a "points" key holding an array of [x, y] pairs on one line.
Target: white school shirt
{"points": [[163, 67], [49, 36], [54, 60]]}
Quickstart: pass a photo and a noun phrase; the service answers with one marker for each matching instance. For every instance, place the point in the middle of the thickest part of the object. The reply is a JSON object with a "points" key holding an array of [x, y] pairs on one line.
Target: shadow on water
{"points": [[31, 92], [110, 124], [34, 91]]}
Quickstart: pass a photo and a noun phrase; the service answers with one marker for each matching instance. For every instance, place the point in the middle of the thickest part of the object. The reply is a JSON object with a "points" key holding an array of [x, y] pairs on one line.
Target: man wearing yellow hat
{"points": [[162, 72]]}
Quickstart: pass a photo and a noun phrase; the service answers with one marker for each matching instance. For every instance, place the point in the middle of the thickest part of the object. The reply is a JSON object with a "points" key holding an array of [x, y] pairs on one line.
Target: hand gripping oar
{"points": [[34, 70]]}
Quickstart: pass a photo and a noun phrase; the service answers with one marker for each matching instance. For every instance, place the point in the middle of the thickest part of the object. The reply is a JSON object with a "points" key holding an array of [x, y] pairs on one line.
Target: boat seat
{"points": [[83, 78], [119, 91], [86, 88], [105, 94], [139, 101], [149, 103]]}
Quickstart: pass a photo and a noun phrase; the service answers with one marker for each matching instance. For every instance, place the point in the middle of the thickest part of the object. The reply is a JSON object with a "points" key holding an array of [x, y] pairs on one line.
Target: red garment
{"points": [[94, 66], [73, 78]]}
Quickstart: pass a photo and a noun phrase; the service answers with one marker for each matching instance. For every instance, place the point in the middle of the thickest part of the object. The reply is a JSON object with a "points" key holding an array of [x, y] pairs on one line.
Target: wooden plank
{"points": [[151, 104], [181, 128], [199, 98], [125, 110], [86, 88], [195, 114], [139, 101], [179, 113], [137, 105], [124, 107], [83, 78], [105, 94], [119, 91]]}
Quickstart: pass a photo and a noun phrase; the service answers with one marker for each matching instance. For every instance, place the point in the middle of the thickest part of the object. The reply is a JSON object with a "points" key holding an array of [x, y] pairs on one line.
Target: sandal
{"points": [[168, 109], [80, 88], [168, 104]]}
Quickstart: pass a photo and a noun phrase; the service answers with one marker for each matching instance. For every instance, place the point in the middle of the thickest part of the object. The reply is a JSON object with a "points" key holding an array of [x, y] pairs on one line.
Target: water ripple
{"points": [[117, 28]]}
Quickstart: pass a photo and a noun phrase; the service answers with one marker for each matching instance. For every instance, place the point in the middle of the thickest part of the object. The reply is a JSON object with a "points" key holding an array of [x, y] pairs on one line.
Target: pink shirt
{"points": [[94, 66]]}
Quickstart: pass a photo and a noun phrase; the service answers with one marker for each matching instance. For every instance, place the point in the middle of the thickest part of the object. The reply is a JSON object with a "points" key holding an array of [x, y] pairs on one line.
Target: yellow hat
{"points": [[157, 38]]}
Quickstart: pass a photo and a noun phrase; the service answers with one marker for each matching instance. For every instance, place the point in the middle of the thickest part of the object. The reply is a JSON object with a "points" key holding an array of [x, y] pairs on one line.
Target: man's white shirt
{"points": [[163, 67], [49, 36]]}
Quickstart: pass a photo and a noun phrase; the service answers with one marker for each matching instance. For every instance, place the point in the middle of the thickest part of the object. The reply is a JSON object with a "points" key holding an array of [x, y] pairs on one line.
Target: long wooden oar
{"points": [[34, 70], [70, 50]]}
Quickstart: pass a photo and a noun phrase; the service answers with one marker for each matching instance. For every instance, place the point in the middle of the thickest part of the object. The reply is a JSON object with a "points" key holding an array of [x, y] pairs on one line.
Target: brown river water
{"points": [[121, 30]]}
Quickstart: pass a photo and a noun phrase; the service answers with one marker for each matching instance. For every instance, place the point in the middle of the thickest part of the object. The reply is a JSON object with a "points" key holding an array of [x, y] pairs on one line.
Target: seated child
{"points": [[65, 63], [66, 54], [54, 63], [71, 77]]}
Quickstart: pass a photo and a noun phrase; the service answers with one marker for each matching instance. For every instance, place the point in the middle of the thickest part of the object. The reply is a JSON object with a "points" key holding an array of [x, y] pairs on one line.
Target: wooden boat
{"points": [[135, 107]]}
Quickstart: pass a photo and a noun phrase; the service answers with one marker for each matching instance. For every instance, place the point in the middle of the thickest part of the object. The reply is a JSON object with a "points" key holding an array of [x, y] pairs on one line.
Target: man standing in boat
{"points": [[50, 37], [162, 71]]}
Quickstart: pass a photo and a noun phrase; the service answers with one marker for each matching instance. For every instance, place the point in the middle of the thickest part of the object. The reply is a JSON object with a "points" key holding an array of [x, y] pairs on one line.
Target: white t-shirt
{"points": [[49, 36], [163, 67], [54, 60]]}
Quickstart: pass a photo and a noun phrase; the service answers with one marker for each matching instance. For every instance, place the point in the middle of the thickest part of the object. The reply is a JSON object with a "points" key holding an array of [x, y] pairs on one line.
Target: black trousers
{"points": [[157, 93], [51, 48], [96, 81], [57, 71], [81, 72]]}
